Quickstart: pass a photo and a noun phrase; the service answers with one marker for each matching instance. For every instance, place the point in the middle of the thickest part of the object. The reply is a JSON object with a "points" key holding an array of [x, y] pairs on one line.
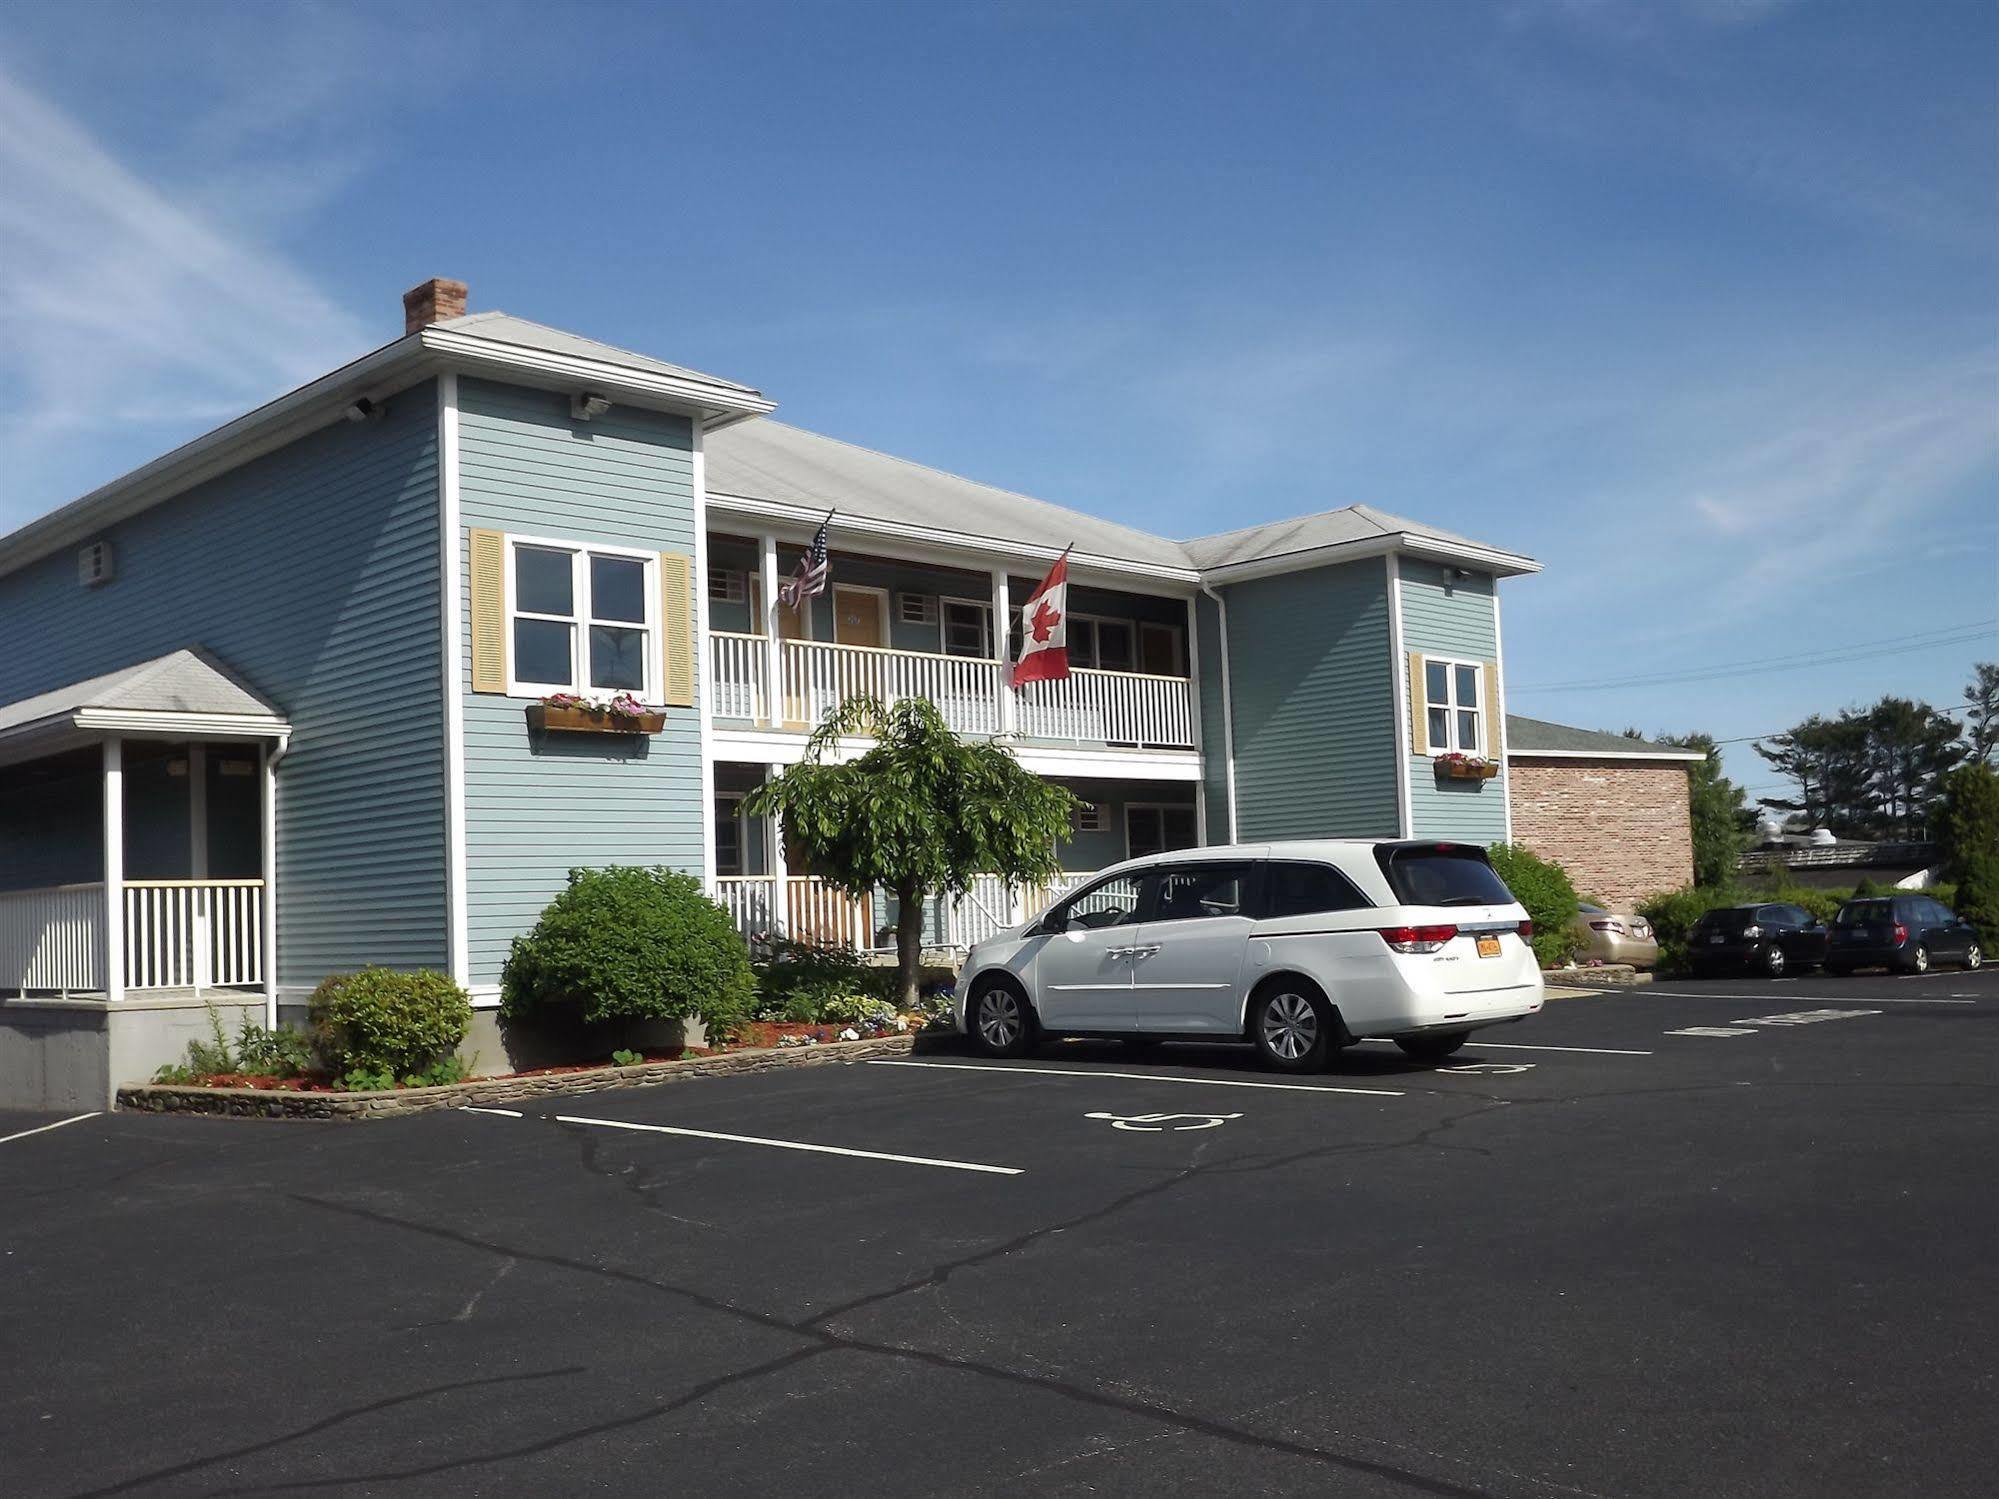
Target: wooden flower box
{"points": [[1467, 770], [548, 719]]}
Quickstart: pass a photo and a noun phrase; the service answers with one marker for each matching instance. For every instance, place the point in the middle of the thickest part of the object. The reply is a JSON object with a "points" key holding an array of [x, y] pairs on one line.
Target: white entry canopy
{"points": [[187, 694]]}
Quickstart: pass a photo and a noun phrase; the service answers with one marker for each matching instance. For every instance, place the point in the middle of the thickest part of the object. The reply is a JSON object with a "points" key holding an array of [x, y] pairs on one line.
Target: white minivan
{"points": [[1299, 948]]}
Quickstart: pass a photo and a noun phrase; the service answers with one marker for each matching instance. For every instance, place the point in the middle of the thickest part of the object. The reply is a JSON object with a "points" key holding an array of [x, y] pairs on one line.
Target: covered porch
{"points": [[137, 838]]}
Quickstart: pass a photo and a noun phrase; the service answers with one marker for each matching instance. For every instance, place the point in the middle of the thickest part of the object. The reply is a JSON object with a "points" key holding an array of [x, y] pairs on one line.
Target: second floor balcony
{"points": [[1092, 707]]}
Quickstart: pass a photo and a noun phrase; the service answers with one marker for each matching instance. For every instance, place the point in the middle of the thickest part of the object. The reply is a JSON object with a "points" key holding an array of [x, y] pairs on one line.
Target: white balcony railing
{"points": [[179, 934], [194, 934], [1091, 707], [817, 913], [52, 939]]}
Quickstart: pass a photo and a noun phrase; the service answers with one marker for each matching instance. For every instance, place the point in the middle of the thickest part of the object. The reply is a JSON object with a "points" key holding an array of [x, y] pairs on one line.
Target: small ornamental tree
{"points": [[1968, 824], [921, 813], [1544, 888]]}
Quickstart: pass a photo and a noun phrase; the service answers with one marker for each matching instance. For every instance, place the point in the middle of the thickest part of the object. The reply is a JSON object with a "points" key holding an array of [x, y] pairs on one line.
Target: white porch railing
{"points": [[52, 939], [194, 934], [1091, 707], [817, 913], [737, 662]]}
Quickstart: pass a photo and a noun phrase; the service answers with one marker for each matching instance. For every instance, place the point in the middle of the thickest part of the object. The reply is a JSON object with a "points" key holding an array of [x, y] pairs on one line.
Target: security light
{"points": [[588, 405]]}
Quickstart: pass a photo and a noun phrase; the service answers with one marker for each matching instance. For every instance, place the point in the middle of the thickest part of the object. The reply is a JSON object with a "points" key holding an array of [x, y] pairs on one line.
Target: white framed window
{"points": [[916, 608], [1087, 818], [1454, 705], [582, 619], [968, 629], [728, 585], [1102, 644]]}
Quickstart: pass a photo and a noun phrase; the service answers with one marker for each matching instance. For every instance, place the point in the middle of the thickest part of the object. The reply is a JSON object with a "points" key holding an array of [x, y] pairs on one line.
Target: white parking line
{"points": [[506, 1113], [1831, 999], [1477, 1045], [38, 1129], [1144, 1077], [866, 1155]]}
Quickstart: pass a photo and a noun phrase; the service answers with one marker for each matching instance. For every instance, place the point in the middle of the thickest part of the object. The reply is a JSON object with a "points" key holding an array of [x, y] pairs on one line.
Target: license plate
{"points": [[1488, 946], [1717, 939]]}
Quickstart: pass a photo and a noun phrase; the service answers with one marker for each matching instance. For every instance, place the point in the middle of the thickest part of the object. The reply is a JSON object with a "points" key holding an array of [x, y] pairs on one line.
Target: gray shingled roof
{"points": [[505, 328], [1526, 735], [1308, 532], [184, 681], [768, 460]]}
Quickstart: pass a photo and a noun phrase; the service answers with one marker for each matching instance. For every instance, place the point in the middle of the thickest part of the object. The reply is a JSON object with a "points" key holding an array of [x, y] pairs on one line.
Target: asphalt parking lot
{"points": [[1738, 1237]]}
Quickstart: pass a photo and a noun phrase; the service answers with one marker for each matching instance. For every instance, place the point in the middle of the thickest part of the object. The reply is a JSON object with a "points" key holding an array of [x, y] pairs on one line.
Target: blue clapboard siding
{"points": [[1456, 617], [313, 573], [533, 811], [1314, 704]]}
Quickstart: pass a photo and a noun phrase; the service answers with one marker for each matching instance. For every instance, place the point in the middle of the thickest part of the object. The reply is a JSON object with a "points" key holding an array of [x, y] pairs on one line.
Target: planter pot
{"points": [[553, 720], [1454, 770]]}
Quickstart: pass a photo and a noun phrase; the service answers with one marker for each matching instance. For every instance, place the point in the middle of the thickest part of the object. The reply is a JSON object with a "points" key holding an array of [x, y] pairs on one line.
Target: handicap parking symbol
{"points": [[1156, 1123]]}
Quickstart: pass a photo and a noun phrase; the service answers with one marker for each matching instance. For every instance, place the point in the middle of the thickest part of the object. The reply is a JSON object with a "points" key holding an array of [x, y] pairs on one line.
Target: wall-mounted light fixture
{"points": [[367, 409], [587, 406]]}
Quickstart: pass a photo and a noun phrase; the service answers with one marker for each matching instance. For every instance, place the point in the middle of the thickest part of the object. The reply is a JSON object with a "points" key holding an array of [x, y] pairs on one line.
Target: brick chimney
{"points": [[432, 302]]}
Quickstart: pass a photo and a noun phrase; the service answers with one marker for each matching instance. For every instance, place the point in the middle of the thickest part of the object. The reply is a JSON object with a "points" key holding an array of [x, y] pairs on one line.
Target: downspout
{"points": [[1228, 701]]}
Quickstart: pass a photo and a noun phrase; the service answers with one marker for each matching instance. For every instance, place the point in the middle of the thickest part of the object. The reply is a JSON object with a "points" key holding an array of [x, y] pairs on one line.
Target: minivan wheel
{"points": [[1773, 961], [1432, 1048], [1293, 1029], [1973, 956], [1002, 1022], [1919, 960]]}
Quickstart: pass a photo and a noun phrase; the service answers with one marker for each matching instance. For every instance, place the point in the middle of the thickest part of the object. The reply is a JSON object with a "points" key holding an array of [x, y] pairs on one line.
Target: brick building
{"points": [[1611, 811]]}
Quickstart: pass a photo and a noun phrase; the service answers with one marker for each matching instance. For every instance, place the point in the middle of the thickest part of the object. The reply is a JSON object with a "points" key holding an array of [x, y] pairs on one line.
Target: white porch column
{"points": [[114, 870], [773, 647], [1002, 612], [774, 857], [1194, 712], [201, 916], [267, 767]]}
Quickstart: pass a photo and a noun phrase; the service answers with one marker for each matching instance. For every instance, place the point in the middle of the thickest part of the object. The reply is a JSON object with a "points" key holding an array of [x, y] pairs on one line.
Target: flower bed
{"points": [[286, 1098]]}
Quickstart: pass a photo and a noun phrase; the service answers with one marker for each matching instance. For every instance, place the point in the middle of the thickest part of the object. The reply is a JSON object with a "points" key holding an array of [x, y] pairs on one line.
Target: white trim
{"points": [[999, 640], [141, 722], [704, 687], [698, 396], [787, 747], [1398, 663], [1656, 756], [114, 869], [833, 592], [457, 910], [1194, 699], [1228, 702], [267, 839], [1498, 712], [197, 810], [581, 618], [1484, 559], [766, 610]]}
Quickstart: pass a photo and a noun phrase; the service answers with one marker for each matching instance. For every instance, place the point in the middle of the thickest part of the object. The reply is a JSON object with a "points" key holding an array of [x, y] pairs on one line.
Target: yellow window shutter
{"points": [[676, 629], [1419, 717], [1493, 709], [489, 611]]}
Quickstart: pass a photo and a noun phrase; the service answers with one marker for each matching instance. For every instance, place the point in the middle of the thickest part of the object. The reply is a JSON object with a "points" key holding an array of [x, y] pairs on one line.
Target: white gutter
{"points": [[1228, 704], [1406, 543], [1519, 752]]}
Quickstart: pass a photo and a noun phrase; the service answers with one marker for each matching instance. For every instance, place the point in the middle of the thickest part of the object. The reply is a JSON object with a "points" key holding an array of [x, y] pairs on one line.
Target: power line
{"points": [[1922, 640], [1752, 738]]}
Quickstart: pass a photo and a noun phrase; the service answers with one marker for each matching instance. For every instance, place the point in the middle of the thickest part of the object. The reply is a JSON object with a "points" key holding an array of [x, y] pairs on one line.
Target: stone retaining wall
{"points": [[499, 1092]]}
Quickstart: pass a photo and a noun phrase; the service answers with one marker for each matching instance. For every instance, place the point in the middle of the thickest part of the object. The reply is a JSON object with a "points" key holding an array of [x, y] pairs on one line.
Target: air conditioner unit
{"points": [[94, 564], [917, 608], [1088, 818], [726, 584]]}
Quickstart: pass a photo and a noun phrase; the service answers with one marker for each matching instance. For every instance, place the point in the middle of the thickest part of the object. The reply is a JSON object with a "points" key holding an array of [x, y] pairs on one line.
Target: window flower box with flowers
{"points": [[1457, 766], [569, 713]]}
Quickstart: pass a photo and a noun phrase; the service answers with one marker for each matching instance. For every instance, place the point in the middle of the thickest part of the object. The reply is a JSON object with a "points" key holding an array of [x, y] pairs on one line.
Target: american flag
{"points": [[809, 577]]}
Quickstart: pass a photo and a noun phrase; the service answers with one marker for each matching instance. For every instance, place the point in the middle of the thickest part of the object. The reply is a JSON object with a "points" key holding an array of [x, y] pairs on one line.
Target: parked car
{"points": [[1772, 939], [1614, 937], [1908, 932], [1297, 948]]}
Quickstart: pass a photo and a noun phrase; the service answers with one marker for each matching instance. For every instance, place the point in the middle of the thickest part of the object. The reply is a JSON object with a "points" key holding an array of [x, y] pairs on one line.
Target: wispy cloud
{"points": [[125, 306]]}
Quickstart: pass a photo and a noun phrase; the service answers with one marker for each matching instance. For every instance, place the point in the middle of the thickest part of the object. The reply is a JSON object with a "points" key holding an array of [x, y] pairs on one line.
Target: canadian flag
{"points": [[1044, 629]]}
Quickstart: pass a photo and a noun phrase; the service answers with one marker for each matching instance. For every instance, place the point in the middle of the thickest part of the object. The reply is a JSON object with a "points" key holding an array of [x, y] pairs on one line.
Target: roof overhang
{"points": [[1658, 755], [379, 375], [80, 727], [1499, 564], [934, 543]]}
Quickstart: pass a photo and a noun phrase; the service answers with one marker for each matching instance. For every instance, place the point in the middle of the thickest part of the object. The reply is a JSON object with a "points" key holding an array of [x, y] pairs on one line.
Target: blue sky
{"points": [[1694, 300]]}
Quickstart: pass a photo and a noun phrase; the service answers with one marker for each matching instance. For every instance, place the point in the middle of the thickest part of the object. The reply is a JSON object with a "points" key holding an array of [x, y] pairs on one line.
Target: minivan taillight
{"points": [[1901, 934], [1417, 939], [1527, 928]]}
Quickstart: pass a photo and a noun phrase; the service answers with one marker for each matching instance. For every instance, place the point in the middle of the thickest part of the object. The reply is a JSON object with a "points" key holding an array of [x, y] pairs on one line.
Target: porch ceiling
{"points": [[186, 694]]}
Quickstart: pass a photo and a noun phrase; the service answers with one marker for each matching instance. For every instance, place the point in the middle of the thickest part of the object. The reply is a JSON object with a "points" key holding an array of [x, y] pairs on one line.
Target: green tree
{"points": [[921, 813], [1982, 720], [1913, 748], [1828, 760], [1722, 821], [1967, 824]]}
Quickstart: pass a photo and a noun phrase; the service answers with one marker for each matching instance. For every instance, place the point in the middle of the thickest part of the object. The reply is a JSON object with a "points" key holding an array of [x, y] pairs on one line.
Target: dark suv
{"points": [[1908, 932], [1772, 939]]}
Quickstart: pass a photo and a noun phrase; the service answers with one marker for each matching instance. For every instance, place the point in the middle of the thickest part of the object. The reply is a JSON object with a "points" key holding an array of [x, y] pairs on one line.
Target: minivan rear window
{"points": [[1863, 913], [1441, 874], [1730, 919]]}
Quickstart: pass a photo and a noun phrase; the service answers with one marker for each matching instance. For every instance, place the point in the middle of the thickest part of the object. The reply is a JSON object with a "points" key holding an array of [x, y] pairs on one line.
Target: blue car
{"points": [[1905, 932]]}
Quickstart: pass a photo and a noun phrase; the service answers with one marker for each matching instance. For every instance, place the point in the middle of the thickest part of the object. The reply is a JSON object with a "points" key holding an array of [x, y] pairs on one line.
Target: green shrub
{"points": [[280, 1053], [797, 981], [1968, 827], [625, 1057], [1543, 887], [858, 1009], [382, 1022], [631, 944]]}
